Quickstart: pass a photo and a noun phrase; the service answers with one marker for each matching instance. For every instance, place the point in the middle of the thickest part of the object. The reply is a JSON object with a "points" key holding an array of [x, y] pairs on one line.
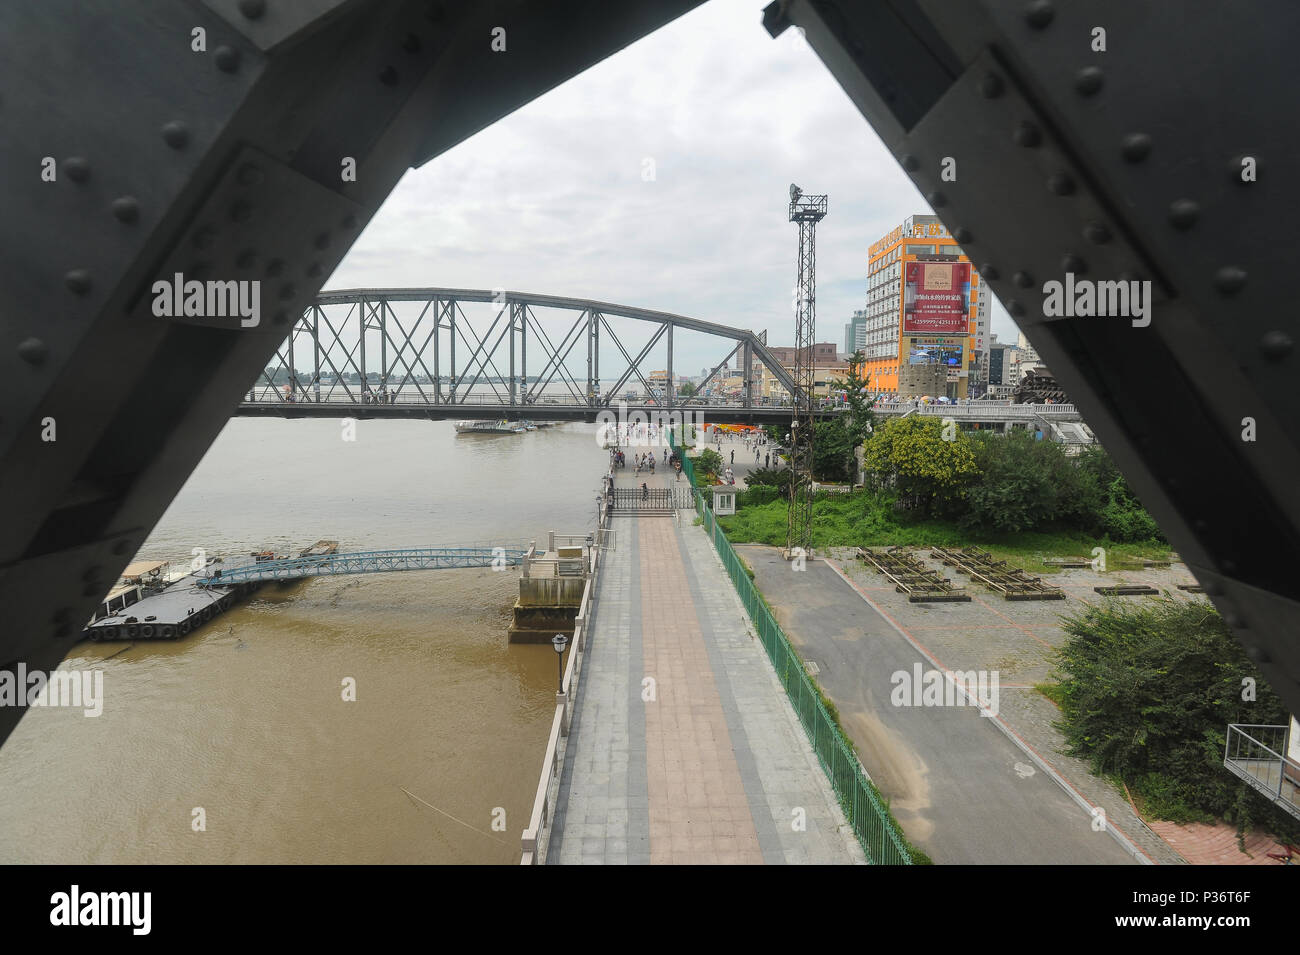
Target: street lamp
{"points": [[559, 642]]}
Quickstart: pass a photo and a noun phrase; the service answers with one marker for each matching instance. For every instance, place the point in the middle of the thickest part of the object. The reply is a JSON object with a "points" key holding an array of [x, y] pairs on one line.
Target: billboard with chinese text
{"points": [[936, 298]]}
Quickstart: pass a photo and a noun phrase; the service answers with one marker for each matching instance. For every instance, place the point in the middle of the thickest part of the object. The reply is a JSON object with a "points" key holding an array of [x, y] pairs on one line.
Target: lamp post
{"points": [[559, 642]]}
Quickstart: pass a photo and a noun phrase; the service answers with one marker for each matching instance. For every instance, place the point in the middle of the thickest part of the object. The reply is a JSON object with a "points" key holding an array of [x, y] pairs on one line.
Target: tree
{"points": [[929, 473], [686, 389], [836, 440], [1023, 484]]}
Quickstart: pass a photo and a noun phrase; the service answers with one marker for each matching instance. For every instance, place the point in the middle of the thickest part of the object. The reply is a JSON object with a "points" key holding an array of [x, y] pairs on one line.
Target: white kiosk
{"points": [[724, 499]]}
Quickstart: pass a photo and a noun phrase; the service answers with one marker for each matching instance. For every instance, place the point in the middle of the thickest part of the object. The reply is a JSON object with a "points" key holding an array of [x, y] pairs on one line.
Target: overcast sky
{"points": [[551, 199]]}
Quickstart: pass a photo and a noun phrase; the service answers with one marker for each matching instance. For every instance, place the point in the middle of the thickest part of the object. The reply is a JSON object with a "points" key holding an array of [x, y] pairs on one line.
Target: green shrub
{"points": [[1147, 693]]}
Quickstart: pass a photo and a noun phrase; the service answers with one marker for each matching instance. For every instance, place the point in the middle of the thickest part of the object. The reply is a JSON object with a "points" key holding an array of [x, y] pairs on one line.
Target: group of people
{"points": [[380, 396]]}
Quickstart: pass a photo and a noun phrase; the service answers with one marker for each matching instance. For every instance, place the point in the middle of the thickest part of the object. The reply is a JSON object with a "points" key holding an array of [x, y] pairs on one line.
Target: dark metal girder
{"points": [[221, 164], [1124, 164]]}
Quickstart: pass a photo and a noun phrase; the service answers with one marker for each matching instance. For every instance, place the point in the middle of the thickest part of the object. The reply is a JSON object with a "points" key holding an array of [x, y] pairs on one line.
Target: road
{"points": [[963, 792]]}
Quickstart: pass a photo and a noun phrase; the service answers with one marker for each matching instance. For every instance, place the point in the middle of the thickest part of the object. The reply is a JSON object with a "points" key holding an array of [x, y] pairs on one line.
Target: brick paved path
{"points": [[706, 764]]}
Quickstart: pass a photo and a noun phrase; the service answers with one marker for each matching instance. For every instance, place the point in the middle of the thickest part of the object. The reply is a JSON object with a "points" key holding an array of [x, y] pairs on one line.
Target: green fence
{"points": [[880, 840]]}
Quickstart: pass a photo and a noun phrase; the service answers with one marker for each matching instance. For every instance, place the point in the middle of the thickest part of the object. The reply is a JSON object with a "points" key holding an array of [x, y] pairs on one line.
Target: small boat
{"points": [[490, 427]]}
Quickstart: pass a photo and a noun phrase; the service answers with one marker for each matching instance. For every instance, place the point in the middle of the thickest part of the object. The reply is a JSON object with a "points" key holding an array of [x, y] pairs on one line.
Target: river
{"points": [[243, 725]]}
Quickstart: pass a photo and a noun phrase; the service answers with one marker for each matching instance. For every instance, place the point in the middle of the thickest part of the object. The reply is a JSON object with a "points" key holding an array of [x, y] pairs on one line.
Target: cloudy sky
{"points": [[552, 198]]}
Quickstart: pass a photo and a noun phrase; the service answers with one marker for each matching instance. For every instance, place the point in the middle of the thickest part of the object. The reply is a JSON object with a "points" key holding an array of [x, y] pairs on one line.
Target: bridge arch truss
{"points": [[495, 353]]}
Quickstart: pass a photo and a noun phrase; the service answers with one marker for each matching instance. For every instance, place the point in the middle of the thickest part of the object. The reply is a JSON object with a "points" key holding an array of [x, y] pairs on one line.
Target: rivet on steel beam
{"points": [[199, 269], [93, 572], [909, 162], [240, 211], [253, 9], [246, 259], [1096, 233], [1073, 263], [1060, 184], [1023, 279], [288, 290], [250, 175], [1027, 134], [962, 235], [1229, 280], [1135, 147], [936, 199], [226, 58], [281, 317], [62, 631], [77, 168], [388, 76], [989, 271], [322, 240], [1039, 13], [314, 270], [175, 134], [203, 237], [411, 44], [60, 615], [91, 590], [78, 281], [1015, 308], [121, 547], [991, 86], [1088, 81], [349, 221], [1183, 213], [32, 351], [274, 267], [126, 208], [1276, 344]]}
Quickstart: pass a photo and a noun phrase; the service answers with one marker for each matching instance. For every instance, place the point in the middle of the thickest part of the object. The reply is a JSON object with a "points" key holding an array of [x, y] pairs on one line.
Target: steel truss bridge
{"points": [[366, 562], [1138, 164], [525, 356]]}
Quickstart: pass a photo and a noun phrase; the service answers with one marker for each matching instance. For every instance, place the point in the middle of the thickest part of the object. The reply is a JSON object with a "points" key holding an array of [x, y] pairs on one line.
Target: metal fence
{"points": [[1255, 752], [880, 840]]}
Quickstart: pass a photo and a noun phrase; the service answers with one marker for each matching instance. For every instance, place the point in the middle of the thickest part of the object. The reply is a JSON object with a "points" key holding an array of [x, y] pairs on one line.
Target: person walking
{"points": [[733, 455], [767, 460]]}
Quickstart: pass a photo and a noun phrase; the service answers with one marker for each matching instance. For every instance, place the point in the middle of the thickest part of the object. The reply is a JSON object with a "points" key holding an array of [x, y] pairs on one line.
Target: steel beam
{"points": [[1123, 141]]}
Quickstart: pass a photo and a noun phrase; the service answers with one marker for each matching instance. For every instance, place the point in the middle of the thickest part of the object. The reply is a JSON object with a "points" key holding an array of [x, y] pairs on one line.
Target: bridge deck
{"points": [[711, 771]]}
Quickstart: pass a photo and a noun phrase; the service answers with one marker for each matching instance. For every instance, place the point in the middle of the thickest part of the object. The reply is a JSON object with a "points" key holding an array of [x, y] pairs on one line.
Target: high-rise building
{"points": [[926, 305], [855, 333]]}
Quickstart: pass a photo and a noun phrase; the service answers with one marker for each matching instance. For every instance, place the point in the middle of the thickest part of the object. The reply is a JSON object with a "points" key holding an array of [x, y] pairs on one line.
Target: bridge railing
{"points": [[536, 838], [879, 838], [978, 409]]}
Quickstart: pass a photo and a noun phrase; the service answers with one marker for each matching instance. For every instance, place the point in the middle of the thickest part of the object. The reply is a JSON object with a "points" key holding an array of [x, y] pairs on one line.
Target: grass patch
{"points": [[863, 519]]}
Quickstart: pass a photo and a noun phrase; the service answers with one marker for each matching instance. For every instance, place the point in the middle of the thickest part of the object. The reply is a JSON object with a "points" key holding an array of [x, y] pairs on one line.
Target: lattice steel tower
{"points": [[807, 211]]}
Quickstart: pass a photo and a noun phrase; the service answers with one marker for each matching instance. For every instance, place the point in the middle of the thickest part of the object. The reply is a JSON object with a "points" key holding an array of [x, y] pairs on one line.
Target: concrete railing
{"points": [[536, 838]]}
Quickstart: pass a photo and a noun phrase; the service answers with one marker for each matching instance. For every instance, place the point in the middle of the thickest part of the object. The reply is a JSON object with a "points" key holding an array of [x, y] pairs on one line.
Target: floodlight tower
{"points": [[807, 211]]}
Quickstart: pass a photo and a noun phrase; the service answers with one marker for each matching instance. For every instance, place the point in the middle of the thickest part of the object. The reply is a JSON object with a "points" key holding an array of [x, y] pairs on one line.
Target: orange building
{"points": [[906, 334]]}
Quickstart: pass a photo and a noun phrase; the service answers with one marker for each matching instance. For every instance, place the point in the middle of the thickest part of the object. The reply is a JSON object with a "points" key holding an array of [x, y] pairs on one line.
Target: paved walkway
{"points": [[685, 748]]}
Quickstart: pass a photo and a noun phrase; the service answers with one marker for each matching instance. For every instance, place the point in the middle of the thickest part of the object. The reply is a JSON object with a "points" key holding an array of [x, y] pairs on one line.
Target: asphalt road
{"points": [[962, 791]]}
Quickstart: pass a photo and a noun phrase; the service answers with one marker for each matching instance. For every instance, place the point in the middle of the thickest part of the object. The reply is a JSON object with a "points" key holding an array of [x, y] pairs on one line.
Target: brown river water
{"points": [[245, 718]]}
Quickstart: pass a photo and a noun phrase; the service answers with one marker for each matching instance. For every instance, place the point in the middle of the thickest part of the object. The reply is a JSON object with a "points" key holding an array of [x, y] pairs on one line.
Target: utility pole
{"points": [[807, 211]]}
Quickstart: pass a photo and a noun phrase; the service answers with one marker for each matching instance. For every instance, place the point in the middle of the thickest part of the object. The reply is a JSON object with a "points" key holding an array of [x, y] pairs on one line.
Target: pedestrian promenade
{"points": [[684, 746]]}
